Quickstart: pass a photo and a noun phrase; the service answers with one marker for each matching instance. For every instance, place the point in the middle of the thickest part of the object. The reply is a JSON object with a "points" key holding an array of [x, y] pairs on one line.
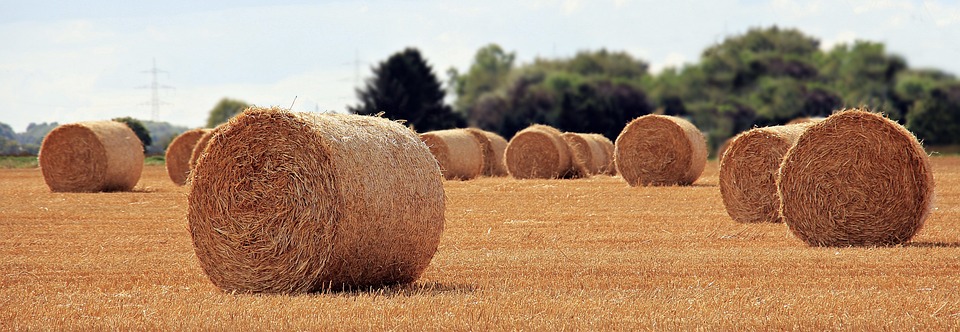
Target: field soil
{"points": [[586, 254]]}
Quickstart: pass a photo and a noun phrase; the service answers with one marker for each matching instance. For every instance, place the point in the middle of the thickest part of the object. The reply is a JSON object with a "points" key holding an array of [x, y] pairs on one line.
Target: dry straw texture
{"points": [[813, 119], [459, 153], [538, 152], [91, 157], [586, 154], [660, 150], [198, 148], [177, 158], [748, 172], [493, 148], [855, 179], [288, 202], [609, 168]]}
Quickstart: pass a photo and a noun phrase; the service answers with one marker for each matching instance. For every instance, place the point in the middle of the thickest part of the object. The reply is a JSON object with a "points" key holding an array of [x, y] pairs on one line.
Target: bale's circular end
{"points": [[748, 172], [458, 152], [538, 152], [587, 155], [607, 165], [493, 148], [198, 148], [177, 158], [660, 150], [855, 179], [90, 157], [297, 202]]}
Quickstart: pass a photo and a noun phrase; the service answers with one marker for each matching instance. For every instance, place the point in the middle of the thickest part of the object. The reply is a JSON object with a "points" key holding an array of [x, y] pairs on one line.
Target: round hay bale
{"points": [[90, 157], [660, 150], [286, 202], [855, 179], [198, 148], [806, 119], [586, 154], [459, 153], [608, 167], [723, 148], [493, 148], [748, 172], [538, 152], [177, 158]]}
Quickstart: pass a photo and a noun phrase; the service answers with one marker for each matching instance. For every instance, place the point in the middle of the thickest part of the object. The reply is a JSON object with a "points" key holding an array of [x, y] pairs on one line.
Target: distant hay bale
{"points": [[493, 148], [609, 167], [177, 158], [285, 202], [748, 172], [198, 148], [90, 157], [459, 153], [723, 148], [586, 154], [660, 150], [538, 152], [855, 179]]}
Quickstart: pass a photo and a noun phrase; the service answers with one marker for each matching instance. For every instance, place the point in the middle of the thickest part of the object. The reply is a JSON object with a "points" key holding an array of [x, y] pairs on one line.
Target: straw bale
{"points": [[177, 158], [286, 202], [586, 154], [90, 157], [660, 150], [493, 148], [609, 167], [855, 179], [459, 153], [748, 172], [538, 152], [198, 148]]}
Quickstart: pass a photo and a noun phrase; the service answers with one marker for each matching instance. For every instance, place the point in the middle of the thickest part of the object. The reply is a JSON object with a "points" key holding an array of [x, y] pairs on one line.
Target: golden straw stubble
{"points": [[177, 158], [748, 172], [90, 157], [285, 202], [855, 179], [660, 150]]}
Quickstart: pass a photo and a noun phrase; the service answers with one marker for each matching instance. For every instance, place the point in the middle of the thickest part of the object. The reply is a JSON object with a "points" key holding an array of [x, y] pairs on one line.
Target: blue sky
{"points": [[70, 61]]}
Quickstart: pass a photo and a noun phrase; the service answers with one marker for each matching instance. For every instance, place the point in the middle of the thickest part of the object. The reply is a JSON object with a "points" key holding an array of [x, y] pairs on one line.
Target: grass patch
{"points": [[154, 161], [11, 162]]}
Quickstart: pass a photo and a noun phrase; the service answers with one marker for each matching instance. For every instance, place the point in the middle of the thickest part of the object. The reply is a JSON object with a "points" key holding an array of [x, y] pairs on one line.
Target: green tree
{"points": [[488, 73], [405, 87], [935, 118], [225, 109], [864, 74], [142, 133]]}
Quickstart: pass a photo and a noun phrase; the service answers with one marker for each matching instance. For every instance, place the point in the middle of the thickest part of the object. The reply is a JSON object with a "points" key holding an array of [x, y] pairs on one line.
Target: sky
{"points": [[68, 61]]}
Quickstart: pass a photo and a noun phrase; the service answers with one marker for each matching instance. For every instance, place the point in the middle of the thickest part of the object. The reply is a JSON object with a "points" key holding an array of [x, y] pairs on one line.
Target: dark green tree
{"points": [[224, 110], [404, 87], [142, 133], [935, 118], [488, 73]]}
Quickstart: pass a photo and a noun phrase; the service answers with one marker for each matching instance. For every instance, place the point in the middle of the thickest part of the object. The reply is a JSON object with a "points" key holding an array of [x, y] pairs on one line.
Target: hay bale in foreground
{"points": [[493, 148], [855, 179], [90, 157], [177, 158], [198, 148], [538, 152], [748, 172], [459, 153], [609, 168], [287, 202], [586, 154], [660, 150]]}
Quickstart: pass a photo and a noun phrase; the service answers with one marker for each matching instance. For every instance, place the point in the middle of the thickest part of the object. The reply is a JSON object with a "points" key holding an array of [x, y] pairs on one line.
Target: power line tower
{"points": [[155, 87]]}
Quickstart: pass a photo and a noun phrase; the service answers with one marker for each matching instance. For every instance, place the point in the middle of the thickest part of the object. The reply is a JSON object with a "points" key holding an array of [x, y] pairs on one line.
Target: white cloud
{"points": [[673, 59], [571, 6], [843, 37], [867, 6]]}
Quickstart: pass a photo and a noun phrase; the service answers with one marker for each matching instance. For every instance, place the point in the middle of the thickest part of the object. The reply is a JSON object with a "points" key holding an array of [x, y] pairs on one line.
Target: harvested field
{"points": [[582, 254]]}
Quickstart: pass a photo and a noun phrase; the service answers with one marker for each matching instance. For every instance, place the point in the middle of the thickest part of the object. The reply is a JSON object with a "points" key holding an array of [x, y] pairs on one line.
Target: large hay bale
{"points": [[586, 154], [493, 148], [538, 152], [198, 148], [855, 179], [177, 158], [660, 150], [609, 167], [748, 172], [90, 157], [459, 153], [289, 202]]}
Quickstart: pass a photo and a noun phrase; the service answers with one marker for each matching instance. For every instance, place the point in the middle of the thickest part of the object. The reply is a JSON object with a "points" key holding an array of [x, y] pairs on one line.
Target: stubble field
{"points": [[531, 255]]}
